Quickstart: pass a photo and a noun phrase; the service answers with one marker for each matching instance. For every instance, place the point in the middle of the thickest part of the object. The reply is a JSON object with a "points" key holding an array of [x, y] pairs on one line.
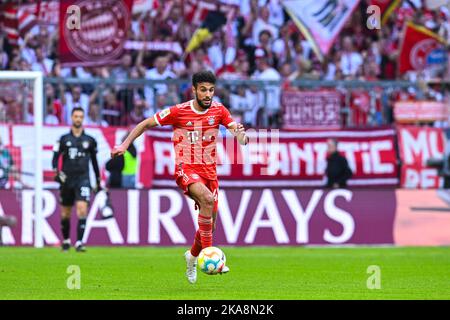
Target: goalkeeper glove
{"points": [[60, 177]]}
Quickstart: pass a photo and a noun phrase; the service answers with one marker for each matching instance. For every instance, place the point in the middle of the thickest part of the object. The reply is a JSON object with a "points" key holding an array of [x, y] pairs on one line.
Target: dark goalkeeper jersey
{"points": [[76, 153]]}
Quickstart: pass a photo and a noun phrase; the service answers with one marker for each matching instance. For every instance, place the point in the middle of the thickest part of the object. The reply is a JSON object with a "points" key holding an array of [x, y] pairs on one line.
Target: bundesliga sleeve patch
{"points": [[164, 113]]}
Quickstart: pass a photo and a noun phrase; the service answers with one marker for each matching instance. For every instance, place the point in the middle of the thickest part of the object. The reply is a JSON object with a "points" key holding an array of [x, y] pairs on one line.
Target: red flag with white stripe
{"points": [[17, 21]]}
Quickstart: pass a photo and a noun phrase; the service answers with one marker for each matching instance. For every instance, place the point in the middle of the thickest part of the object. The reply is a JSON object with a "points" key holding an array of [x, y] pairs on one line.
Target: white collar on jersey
{"points": [[196, 111]]}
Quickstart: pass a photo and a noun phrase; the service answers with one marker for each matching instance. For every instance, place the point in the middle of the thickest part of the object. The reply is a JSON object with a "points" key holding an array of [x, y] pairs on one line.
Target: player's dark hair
{"points": [[77, 109], [203, 76]]}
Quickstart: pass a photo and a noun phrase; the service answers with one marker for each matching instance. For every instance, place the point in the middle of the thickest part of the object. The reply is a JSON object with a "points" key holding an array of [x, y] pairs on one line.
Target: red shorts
{"points": [[184, 177]]}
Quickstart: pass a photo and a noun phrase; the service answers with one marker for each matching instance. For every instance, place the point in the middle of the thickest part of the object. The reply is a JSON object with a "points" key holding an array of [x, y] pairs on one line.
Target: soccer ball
{"points": [[211, 260]]}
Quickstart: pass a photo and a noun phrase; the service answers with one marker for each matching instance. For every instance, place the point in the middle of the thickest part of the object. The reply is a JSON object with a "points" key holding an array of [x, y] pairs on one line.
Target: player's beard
{"points": [[201, 104], [77, 125]]}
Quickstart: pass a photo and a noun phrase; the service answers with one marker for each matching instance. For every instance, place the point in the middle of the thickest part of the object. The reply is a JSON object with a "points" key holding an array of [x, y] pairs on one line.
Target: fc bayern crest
{"points": [[211, 120], [426, 52], [102, 32], [85, 144]]}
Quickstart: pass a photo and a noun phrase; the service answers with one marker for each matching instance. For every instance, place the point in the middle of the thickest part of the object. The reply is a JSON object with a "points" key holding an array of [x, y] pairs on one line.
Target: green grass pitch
{"points": [[256, 273]]}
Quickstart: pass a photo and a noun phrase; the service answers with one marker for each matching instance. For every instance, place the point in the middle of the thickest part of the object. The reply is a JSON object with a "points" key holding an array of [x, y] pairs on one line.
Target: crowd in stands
{"points": [[261, 42]]}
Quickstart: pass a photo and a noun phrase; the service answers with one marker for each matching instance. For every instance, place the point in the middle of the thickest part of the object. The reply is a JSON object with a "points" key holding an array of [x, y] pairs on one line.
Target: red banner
{"points": [[420, 48], [172, 46], [140, 6], [386, 8], [17, 20], [311, 109], [197, 10], [49, 12], [420, 111], [291, 158], [100, 36], [417, 145], [271, 159]]}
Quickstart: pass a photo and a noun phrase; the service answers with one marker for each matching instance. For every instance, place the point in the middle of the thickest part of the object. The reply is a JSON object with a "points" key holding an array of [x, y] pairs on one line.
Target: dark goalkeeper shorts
{"points": [[75, 189]]}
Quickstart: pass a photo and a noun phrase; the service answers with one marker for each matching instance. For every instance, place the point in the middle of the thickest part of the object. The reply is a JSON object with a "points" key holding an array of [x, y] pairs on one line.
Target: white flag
{"points": [[320, 21]]}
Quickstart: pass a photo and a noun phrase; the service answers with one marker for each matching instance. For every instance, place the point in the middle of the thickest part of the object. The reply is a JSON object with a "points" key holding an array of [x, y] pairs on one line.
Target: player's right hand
{"points": [[118, 151], [60, 177]]}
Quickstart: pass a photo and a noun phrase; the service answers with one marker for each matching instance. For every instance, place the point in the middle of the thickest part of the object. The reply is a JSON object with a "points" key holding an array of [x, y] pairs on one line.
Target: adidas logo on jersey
{"points": [[189, 123]]}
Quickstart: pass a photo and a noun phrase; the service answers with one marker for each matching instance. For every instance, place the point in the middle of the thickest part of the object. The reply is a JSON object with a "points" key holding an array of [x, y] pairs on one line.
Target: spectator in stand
{"points": [[329, 69], [443, 22], [13, 107], [370, 71], [127, 70], [302, 47], [271, 96], [172, 96], [285, 71], [261, 22], [122, 71], [113, 109], [200, 61], [93, 118], [351, 60], [389, 52], [24, 65], [276, 14], [54, 106], [84, 72], [265, 42], [161, 71], [338, 171], [73, 99], [27, 48], [220, 52], [58, 71], [138, 113], [283, 47], [50, 116], [4, 59], [245, 104], [177, 66], [42, 63], [304, 70]]}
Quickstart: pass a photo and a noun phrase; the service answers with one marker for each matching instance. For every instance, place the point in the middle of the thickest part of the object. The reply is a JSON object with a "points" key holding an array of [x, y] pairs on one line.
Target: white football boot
{"points": [[225, 269], [191, 267]]}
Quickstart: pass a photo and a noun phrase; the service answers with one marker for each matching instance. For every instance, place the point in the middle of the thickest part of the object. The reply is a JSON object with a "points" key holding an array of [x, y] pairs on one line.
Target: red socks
{"points": [[203, 237], [197, 245]]}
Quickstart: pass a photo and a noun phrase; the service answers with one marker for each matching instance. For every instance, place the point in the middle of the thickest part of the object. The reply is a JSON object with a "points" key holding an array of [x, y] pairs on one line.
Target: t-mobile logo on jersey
{"points": [[73, 153], [193, 136]]}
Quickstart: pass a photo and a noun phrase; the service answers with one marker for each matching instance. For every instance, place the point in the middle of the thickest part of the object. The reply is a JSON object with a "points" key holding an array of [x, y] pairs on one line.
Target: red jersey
{"points": [[195, 135]]}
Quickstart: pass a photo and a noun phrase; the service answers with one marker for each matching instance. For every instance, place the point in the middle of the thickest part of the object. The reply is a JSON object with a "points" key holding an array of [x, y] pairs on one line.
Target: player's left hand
{"points": [[60, 177], [240, 133], [118, 151], [239, 129]]}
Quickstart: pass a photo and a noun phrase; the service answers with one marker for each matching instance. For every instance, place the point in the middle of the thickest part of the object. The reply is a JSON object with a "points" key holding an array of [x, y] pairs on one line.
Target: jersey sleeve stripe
{"points": [[156, 120]]}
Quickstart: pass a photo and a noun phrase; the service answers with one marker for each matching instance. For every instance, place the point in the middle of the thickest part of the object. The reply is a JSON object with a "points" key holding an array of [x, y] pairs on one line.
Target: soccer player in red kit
{"points": [[196, 128]]}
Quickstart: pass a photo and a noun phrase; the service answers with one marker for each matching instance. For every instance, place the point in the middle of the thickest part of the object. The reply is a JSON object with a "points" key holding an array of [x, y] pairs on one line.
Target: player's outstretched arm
{"points": [[136, 132], [238, 130]]}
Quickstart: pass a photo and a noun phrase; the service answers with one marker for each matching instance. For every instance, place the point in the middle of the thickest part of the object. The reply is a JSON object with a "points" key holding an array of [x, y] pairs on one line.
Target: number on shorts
{"points": [[85, 192]]}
